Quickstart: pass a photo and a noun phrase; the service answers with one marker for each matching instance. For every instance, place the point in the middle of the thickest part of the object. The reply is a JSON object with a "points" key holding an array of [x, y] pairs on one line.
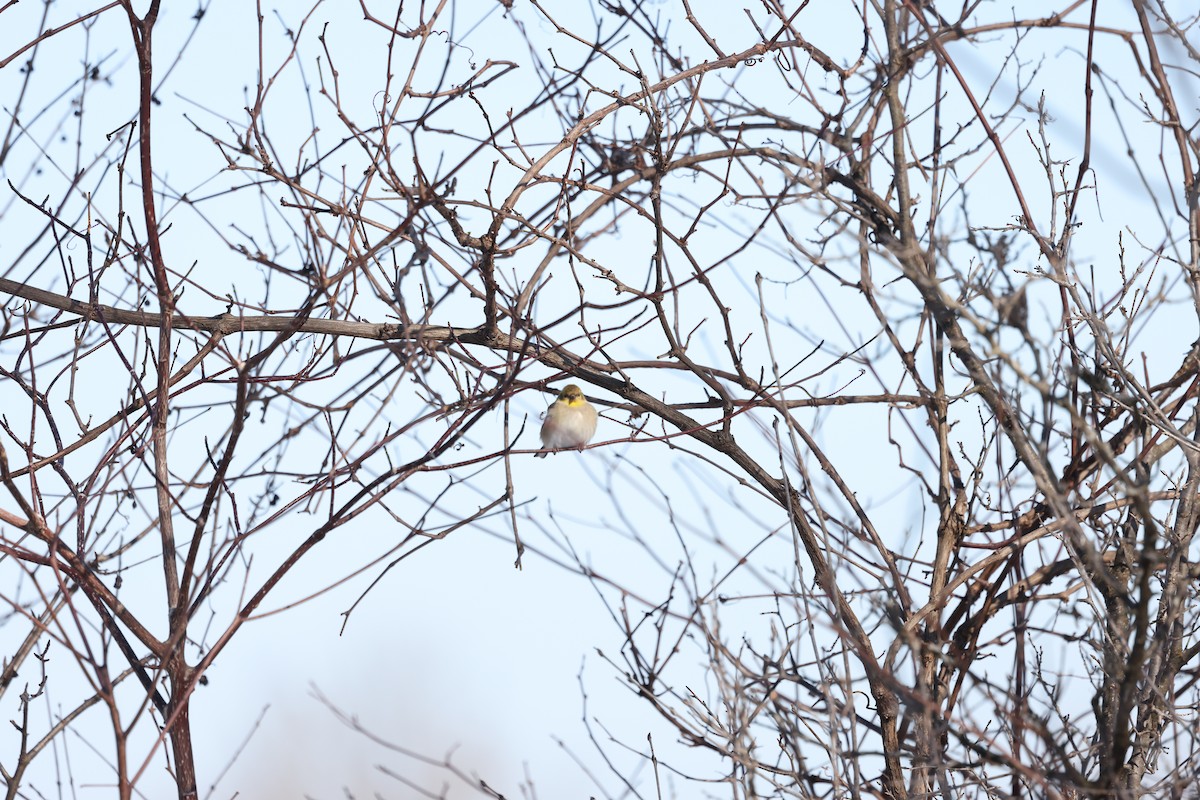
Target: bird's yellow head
{"points": [[572, 395]]}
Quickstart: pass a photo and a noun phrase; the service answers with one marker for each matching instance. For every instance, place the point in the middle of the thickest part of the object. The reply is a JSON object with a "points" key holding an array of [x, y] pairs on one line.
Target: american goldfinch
{"points": [[570, 421]]}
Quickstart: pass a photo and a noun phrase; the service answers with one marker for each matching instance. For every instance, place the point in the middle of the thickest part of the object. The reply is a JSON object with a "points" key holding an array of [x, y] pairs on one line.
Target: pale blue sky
{"points": [[456, 650]]}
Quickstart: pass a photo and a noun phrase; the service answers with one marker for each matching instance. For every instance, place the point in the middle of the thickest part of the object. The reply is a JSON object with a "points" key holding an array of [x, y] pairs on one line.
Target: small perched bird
{"points": [[570, 421]]}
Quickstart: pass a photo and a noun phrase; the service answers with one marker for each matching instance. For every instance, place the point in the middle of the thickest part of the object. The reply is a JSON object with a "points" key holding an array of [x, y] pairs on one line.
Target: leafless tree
{"points": [[889, 308]]}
